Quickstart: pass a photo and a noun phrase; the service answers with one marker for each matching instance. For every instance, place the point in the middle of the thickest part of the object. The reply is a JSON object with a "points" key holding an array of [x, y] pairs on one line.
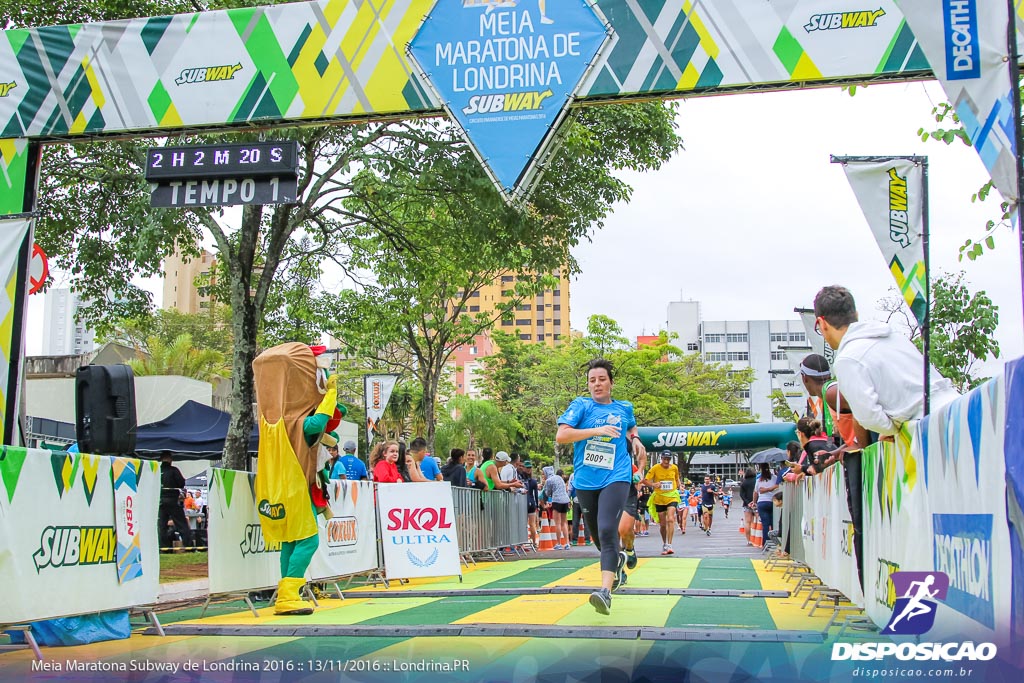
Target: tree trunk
{"points": [[429, 398], [236, 446]]}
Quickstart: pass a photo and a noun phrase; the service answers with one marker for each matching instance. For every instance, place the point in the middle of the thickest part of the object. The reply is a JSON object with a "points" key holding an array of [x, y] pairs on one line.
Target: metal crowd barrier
{"points": [[489, 521]]}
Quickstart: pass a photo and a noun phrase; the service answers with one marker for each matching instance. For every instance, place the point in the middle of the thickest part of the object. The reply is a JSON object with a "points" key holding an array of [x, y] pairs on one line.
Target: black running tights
{"points": [[601, 510]]}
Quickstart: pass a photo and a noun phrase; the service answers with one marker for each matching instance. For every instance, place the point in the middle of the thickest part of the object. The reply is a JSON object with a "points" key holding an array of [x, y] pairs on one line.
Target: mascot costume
{"points": [[297, 404]]}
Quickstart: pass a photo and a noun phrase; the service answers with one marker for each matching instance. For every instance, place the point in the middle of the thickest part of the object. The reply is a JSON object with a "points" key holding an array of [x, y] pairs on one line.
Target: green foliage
{"points": [[535, 384], [781, 408], [477, 423], [208, 330], [180, 357]]}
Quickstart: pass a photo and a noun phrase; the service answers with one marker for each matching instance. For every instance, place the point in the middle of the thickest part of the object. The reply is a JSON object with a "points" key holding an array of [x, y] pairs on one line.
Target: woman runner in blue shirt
{"points": [[602, 431]]}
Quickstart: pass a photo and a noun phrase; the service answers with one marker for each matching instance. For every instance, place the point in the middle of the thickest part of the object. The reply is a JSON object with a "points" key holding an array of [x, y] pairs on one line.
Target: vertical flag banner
{"points": [[965, 41], [124, 472], [890, 193], [12, 234], [377, 392], [816, 341]]}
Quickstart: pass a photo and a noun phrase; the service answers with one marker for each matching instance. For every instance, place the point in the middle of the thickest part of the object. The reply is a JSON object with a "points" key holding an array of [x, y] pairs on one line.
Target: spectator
{"points": [[420, 463], [454, 471], [172, 508], [349, 466], [794, 460], [385, 463], [494, 481], [879, 373], [531, 490], [765, 487], [815, 445], [556, 495], [747, 481]]}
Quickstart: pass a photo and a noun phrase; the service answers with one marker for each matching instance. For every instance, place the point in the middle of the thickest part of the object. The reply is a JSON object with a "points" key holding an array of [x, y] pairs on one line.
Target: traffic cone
{"points": [[547, 532], [581, 538], [755, 536]]}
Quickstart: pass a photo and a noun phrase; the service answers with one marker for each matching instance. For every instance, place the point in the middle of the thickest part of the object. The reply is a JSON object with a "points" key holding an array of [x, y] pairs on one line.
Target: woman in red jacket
{"points": [[385, 469]]}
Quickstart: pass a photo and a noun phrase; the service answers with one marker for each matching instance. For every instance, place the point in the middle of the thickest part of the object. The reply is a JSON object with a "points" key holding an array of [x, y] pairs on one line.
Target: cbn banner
{"points": [[966, 43], [891, 195], [348, 541], [58, 526], [376, 392], [828, 533], [940, 506], [418, 530]]}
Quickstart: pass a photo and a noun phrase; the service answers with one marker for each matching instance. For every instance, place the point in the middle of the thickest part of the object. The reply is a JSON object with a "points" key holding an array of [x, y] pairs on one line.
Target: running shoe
{"points": [[620, 571], [707, 531], [669, 551], [664, 549], [602, 601], [630, 558]]}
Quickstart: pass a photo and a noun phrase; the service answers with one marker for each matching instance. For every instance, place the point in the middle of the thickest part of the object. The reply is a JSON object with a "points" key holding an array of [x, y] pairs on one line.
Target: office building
{"points": [[62, 334], [187, 284]]}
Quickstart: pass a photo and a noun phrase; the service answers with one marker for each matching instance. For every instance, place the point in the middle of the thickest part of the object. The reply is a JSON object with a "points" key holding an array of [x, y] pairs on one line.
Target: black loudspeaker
{"points": [[105, 421]]}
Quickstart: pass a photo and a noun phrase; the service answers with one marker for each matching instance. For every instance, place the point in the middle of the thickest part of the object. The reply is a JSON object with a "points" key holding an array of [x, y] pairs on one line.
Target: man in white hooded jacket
{"points": [[880, 373]]}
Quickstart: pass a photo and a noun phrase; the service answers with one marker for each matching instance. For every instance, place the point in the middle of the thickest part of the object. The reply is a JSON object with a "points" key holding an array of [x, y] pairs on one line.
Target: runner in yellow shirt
{"points": [[664, 479]]}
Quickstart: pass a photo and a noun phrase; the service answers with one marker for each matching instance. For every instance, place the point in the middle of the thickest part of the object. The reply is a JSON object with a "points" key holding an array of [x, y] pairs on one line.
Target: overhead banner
{"points": [[376, 392], [418, 530], [966, 43], [348, 540], [60, 535], [891, 195], [827, 534], [508, 71]]}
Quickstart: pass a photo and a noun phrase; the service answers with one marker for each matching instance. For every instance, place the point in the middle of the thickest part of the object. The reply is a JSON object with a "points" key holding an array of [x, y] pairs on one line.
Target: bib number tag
{"points": [[665, 485], [599, 454]]}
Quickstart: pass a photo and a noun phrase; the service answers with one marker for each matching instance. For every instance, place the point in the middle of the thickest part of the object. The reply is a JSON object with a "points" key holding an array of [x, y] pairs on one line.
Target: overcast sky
{"points": [[751, 219]]}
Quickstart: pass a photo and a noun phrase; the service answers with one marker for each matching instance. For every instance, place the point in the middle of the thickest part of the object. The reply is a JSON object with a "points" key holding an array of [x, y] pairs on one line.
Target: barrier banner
{"points": [[891, 193], [792, 537], [966, 43], [124, 474], [963, 532], [418, 530], [1014, 449], [58, 527], [828, 533], [240, 559], [348, 541]]}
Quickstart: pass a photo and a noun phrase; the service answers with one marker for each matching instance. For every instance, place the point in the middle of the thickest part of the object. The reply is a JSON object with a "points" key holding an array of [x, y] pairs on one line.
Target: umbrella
{"points": [[769, 455]]}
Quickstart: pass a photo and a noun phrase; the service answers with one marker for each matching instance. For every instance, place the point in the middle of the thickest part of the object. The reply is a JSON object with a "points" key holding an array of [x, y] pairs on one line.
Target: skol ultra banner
{"points": [[240, 558], [377, 392], [418, 530], [890, 193], [348, 540], [966, 43], [59, 530], [827, 533]]}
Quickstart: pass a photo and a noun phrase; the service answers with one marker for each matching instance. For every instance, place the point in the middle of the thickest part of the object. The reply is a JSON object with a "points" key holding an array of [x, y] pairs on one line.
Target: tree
{"points": [[963, 326], [477, 423], [210, 329], [460, 235], [181, 357]]}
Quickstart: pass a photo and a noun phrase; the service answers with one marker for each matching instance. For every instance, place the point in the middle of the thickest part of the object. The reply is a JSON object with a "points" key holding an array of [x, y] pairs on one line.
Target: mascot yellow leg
{"points": [[288, 599]]}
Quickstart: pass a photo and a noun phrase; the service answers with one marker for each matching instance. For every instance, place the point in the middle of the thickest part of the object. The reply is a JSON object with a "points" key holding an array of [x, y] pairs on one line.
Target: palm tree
{"points": [[179, 358]]}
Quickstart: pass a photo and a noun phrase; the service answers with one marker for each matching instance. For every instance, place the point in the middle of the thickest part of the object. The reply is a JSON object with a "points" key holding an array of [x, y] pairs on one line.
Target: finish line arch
{"points": [[343, 60]]}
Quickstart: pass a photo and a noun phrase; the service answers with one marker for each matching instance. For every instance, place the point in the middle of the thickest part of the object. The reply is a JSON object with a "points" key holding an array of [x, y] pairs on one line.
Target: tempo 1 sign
{"points": [[224, 175]]}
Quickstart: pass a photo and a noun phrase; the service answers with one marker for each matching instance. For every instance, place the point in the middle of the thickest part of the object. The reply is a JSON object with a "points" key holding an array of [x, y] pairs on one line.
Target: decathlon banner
{"points": [[124, 474], [418, 530], [940, 505], [966, 43], [58, 526], [348, 540], [376, 393], [828, 533], [239, 559], [891, 195]]}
